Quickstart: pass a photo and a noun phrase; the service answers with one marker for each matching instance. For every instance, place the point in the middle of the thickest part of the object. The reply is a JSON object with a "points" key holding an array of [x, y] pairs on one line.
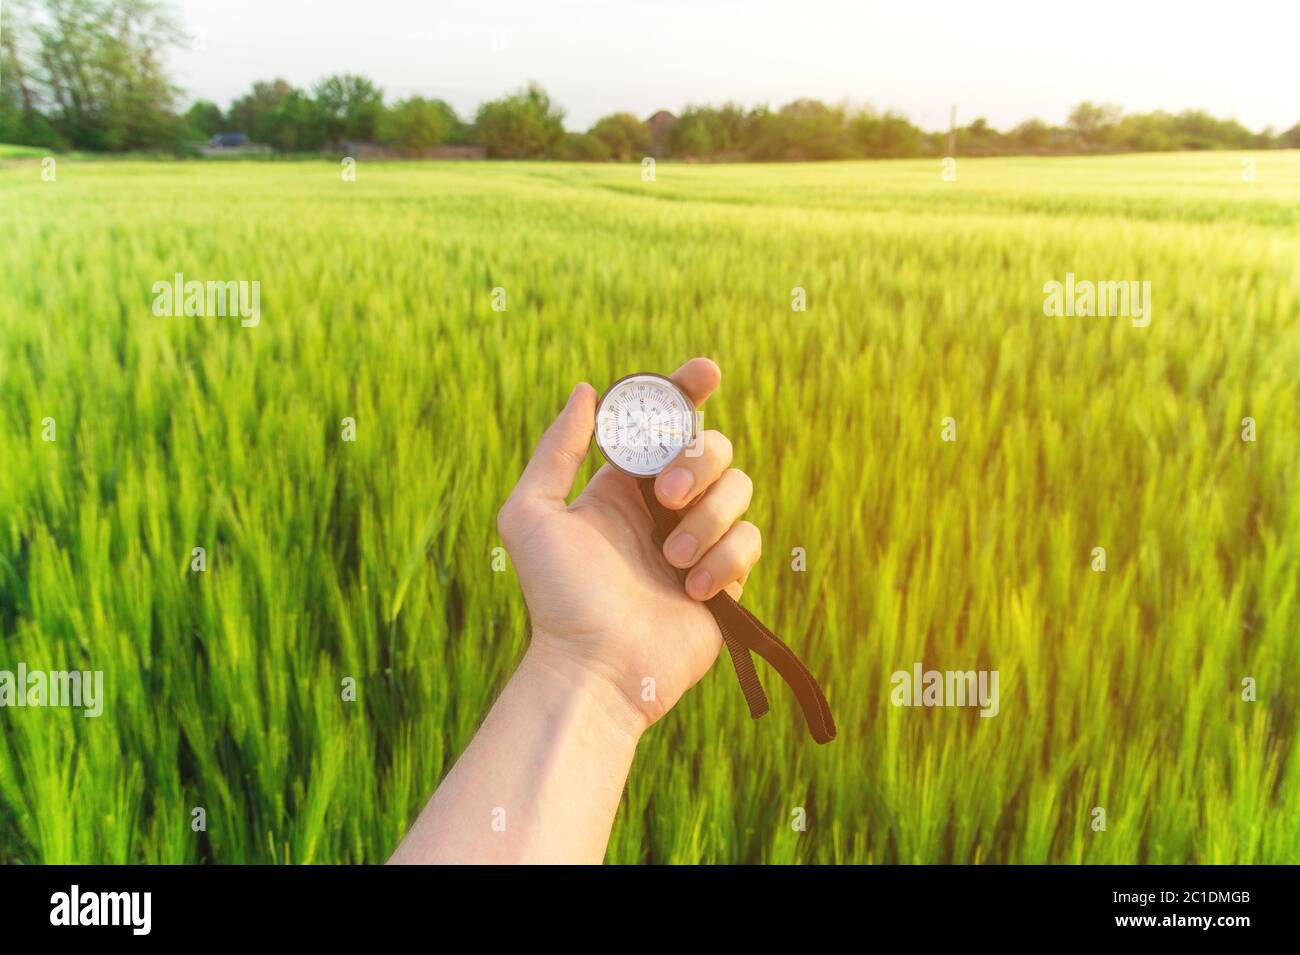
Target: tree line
{"points": [[90, 75]]}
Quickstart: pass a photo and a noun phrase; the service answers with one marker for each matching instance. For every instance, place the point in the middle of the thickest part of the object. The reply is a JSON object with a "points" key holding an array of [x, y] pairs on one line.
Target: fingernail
{"points": [[676, 484], [699, 583], [681, 549]]}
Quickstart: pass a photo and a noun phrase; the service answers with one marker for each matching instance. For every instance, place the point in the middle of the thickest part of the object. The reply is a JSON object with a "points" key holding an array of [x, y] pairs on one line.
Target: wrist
{"points": [[586, 684]]}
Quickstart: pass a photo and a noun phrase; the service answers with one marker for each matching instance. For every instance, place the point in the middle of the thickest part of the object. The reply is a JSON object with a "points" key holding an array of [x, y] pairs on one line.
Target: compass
{"points": [[642, 422]]}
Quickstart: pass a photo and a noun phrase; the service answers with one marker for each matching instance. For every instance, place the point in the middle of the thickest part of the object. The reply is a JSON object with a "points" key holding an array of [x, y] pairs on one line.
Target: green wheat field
{"points": [[1120, 690]]}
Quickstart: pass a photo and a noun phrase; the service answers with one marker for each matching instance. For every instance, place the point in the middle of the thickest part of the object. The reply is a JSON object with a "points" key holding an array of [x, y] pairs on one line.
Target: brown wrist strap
{"points": [[743, 632]]}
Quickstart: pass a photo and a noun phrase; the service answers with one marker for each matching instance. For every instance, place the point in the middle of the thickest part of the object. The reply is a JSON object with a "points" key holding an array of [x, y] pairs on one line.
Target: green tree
{"points": [[884, 135], [352, 106], [623, 135], [417, 123], [1032, 134], [17, 92], [1197, 129], [980, 139], [253, 114], [691, 137], [101, 75], [296, 125], [525, 125], [21, 121], [205, 119], [806, 129], [1093, 124], [717, 131], [584, 147]]}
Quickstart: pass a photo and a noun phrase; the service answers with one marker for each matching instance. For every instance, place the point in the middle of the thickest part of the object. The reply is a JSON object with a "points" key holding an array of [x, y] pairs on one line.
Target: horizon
{"points": [[488, 50]]}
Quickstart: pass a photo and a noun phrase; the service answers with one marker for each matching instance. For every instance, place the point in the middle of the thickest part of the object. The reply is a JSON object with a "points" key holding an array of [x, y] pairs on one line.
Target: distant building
{"points": [[233, 144], [364, 149], [661, 126]]}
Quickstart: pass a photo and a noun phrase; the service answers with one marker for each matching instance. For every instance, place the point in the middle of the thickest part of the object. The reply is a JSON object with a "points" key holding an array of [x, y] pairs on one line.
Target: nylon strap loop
{"points": [[743, 632]]}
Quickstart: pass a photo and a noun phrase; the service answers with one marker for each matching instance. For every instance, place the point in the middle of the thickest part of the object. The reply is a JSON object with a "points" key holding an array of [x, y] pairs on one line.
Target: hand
{"points": [[606, 606]]}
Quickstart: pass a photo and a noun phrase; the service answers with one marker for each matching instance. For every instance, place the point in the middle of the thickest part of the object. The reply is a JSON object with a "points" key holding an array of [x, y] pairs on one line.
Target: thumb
{"points": [[554, 466]]}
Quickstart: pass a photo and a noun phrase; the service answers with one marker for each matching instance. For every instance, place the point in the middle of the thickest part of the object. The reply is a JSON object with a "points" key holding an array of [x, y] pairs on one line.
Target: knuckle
{"points": [[744, 483], [718, 445], [508, 517]]}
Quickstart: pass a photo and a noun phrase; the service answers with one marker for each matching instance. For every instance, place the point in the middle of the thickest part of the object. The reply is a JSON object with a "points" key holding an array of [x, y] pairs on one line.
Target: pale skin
{"points": [[542, 778]]}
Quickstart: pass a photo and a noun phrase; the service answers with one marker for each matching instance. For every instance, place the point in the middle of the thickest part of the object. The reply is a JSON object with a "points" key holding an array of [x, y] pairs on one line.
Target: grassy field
{"points": [[373, 559], [8, 151]]}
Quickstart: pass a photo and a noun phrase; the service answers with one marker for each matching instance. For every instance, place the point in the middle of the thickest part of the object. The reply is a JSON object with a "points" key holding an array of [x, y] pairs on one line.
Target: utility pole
{"points": [[952, 131]]}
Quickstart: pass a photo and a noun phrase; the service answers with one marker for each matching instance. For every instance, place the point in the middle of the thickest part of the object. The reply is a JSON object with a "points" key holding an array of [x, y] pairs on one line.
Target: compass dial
{"points": [[642, 421]]}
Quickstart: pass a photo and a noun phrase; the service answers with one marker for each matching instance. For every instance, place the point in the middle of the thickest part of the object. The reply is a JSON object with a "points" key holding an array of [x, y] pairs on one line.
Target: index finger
{"points": [[698, 378]]}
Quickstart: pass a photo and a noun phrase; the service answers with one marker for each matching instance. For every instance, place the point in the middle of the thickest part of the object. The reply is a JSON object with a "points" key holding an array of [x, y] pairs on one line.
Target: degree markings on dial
{"points": [[642, 424]]}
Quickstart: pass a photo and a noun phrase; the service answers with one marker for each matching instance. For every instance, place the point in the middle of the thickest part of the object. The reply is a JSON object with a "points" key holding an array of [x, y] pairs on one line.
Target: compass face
{"points": [[642, 422]]}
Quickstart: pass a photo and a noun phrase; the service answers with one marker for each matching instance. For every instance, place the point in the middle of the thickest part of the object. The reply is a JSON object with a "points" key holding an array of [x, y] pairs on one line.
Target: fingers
{"points": [[727, 562], [709, 518], [699, 377], [737, 587], [689, 475], [554, 465]]}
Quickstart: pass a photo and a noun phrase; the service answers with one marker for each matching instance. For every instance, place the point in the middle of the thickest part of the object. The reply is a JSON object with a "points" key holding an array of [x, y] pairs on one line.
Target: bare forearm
{"points": [[542, 778]]}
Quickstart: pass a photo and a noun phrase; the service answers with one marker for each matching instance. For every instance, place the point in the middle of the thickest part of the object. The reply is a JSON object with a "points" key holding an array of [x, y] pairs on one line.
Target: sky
{"points": [[1005, 61]]}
